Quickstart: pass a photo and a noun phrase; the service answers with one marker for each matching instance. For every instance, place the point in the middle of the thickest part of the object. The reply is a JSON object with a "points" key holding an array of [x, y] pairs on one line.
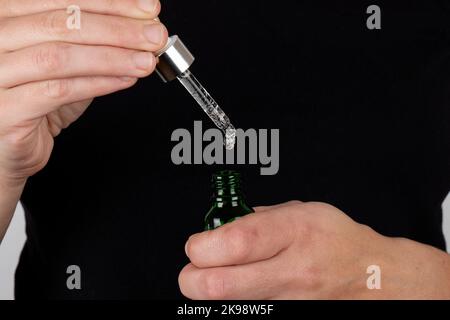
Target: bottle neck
{"points": [[227, 194], [227, 187]]}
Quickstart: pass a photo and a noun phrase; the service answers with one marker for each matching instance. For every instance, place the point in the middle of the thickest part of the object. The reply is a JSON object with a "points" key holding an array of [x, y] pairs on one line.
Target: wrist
{"points": [[10, 192], [421, 271], [11, 185]]}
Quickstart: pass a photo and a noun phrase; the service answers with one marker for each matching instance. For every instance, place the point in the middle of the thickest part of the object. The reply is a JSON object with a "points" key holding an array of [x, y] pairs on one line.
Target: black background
{"points": [[364, 125]]}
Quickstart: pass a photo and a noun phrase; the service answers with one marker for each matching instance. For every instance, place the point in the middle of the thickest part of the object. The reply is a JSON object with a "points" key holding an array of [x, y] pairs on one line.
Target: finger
{"points": [[141, 9], [256, 281], [96, 29], [252, 238], [62, 60], [36, 99]]}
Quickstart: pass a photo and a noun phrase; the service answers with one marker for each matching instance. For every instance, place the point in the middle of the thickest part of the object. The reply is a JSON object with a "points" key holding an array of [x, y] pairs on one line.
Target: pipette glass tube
{"points": [[210, 106], [174, 62]]}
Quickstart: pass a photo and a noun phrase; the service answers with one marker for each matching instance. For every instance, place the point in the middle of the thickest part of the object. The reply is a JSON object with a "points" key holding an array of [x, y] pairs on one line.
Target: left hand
{"points": [[308, 251]]}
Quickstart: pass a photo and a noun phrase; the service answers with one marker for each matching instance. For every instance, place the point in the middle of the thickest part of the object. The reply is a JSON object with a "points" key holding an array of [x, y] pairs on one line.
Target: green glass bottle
{"points": [[227, 202]]}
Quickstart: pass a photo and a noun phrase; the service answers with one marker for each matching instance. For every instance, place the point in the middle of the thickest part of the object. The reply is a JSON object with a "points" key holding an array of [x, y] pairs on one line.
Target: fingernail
{"points": [[148, 5], [143, 60], [154, 33]]}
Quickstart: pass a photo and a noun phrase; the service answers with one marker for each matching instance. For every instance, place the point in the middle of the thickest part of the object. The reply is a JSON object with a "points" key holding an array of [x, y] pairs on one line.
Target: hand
{"points": [[308, 251], [49, 73]]}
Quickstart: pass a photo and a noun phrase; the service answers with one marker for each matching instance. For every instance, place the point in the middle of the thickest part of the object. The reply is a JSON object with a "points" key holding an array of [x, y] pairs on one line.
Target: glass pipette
{"points": [[174, 62]]}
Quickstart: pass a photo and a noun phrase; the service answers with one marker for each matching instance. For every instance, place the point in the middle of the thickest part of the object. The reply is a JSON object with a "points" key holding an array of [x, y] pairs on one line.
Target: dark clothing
{"points": [[364, 125]]}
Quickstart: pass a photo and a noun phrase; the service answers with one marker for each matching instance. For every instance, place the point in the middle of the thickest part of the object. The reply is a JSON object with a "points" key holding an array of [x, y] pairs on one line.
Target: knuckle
{"points": [[120, 29], [53, 23], [57, 89], [240, 239], [321, 212], [51, 58], [214, 285], [319, 206], [295, 203]]}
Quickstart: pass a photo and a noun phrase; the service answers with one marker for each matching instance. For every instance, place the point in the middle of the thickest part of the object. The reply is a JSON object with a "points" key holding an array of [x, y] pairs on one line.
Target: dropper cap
{"points": [[173, 60]]}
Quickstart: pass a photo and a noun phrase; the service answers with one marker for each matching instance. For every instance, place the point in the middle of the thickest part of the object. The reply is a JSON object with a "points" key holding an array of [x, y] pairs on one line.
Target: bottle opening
{"points": [[227, 183]]}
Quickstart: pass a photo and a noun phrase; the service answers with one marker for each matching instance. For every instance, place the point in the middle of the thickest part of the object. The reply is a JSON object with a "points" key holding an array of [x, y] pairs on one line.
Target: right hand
{"points": [[49, 74]]}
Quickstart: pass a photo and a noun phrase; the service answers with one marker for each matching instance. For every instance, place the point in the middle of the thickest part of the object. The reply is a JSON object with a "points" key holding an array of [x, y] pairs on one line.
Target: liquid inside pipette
{"points": [[210, 106]]}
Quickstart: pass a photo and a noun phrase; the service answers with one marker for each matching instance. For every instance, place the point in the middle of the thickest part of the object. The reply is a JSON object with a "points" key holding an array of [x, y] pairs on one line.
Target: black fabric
{"points": [[364, 125]]}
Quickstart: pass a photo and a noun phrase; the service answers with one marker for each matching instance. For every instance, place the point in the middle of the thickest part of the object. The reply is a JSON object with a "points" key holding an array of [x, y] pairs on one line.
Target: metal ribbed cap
{"points": [[174, 59]]}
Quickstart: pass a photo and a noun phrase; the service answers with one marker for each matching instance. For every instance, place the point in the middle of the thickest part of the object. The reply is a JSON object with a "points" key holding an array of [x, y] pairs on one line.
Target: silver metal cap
{"points": [[174, 59]]}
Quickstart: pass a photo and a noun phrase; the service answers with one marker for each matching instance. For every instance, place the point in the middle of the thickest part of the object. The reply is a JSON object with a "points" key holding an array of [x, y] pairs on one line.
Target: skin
{"points": [[308, 251], [290, 251], [49, 74]]}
